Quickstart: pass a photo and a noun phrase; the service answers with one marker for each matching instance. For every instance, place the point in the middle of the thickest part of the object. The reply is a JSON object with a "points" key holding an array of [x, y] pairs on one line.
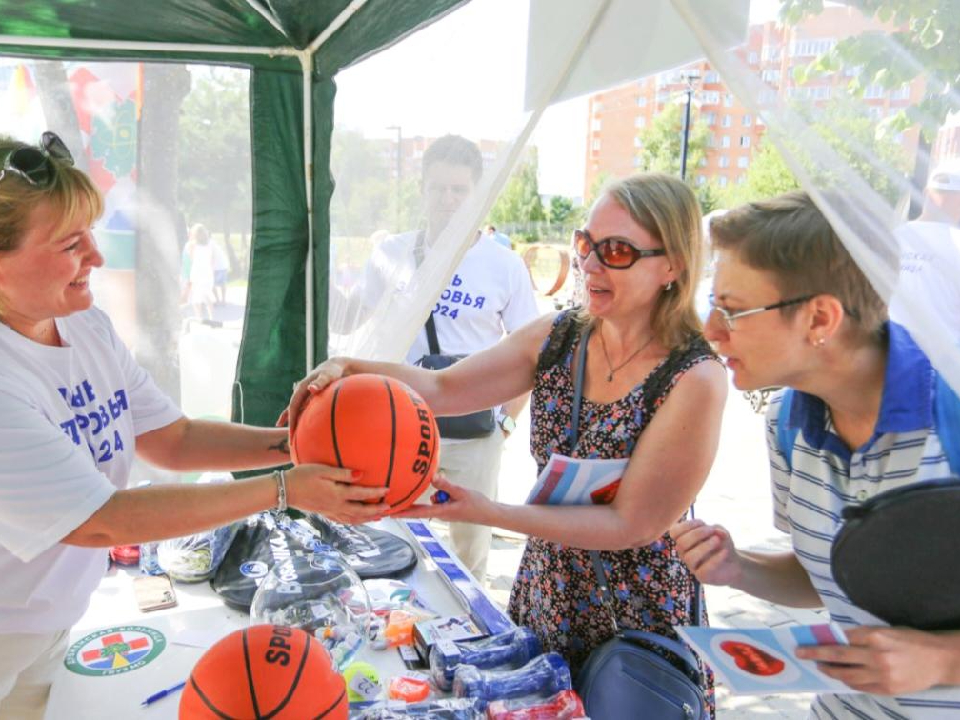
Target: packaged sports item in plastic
{"points": [[565, 705], [545, 676], [510, 649]]}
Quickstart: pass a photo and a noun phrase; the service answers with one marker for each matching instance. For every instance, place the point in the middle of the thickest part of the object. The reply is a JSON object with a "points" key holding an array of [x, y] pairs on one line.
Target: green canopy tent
{"points": [[293, 48]]}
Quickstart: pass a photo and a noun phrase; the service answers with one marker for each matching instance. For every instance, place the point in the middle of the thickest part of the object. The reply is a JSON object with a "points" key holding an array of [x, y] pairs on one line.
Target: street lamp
{"points": [[399, 172], [689, 78]]}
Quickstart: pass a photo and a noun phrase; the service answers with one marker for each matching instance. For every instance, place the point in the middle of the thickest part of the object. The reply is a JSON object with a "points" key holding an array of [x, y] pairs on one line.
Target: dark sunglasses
{"points": [[34, 164], [613, 252]]}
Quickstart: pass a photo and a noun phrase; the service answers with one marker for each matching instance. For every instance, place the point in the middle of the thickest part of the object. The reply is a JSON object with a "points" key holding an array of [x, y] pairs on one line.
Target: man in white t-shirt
{"points": [[490, 294], [930, 254]]}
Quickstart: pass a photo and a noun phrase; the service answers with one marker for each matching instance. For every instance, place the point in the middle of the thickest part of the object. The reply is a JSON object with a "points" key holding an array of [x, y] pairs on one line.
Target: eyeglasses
{"points": [[613, 252], [34, 164], [729, 318]]}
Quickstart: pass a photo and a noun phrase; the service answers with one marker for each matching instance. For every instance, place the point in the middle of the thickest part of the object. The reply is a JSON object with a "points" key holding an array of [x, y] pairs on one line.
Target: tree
{"points": [[561, 210], [519, 207], [214, 150], [850, 134], [661, 142], [927, 42]]}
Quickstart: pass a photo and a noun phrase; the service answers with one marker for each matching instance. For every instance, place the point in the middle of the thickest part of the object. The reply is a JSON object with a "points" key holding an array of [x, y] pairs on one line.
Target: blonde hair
{"points": [[70, 196], [666, 208], [791, 239]]}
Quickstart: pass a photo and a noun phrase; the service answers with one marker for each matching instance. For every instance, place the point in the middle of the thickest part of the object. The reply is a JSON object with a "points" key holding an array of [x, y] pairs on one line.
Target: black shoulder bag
{"points": [[458, 427], [624, 677]]}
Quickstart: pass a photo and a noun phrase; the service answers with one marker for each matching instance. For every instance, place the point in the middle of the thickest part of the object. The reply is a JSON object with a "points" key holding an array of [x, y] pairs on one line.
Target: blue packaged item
{"points": [[545, 675], [507, 650], [444, 709], [149, 562]]}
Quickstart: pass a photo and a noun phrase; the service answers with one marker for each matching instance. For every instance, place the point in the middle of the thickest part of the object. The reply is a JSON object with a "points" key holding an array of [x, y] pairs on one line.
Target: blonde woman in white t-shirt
{"points": [[74, 409]]}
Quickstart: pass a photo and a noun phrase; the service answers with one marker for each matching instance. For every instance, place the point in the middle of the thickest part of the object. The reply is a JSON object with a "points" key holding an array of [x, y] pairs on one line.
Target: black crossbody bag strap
{"points": [[431, 328], [602, 581]]}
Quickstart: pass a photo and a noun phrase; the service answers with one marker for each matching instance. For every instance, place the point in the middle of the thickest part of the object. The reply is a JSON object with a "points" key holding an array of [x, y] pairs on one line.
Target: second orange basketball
{"points": [[375, 424]]}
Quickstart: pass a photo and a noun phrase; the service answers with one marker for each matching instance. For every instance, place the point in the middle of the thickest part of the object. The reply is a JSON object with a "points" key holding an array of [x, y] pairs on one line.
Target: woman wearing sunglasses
{"points": [[74, 409], [791, 308], [653, 393]]}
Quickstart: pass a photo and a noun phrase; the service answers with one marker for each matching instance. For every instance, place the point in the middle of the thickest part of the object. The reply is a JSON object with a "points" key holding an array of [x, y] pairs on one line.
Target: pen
{"points": [[163, 693]]}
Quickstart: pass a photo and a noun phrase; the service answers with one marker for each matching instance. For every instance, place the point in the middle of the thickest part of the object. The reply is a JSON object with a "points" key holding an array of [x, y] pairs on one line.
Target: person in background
{"points": [[791, 308], [490, 294], [221, 272], [653, 395], [499, 237], [201, 294], [75, 408], [930, 254]]}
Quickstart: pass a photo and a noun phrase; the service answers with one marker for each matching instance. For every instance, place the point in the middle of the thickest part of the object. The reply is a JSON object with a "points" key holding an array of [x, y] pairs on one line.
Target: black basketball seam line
{"points": [[393, 432], [253, 691], [293, 683], [330, 709], [424, 481], [333, 425], [206, 701]]}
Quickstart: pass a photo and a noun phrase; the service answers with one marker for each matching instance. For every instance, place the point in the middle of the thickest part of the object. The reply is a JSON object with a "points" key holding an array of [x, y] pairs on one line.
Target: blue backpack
{"points": [[946, 420]]}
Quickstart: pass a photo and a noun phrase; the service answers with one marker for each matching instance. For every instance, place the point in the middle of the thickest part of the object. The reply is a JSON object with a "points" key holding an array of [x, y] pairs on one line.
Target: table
{"points": [[199, 612]]}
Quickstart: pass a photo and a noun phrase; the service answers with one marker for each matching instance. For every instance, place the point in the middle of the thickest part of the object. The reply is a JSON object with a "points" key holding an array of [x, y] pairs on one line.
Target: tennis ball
{"points": [[363, 681]]}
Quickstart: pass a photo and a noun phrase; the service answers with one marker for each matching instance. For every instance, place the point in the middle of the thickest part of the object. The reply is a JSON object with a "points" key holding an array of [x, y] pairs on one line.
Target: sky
{"points": [[466, 74]]}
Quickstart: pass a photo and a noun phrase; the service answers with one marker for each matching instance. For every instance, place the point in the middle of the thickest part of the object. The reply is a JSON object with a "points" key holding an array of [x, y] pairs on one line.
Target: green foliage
{"points": [[214, 150], [767, 177], [561, 210], [519, 208], [661, 142], [926, 42], [366, 197], [849, 133]]}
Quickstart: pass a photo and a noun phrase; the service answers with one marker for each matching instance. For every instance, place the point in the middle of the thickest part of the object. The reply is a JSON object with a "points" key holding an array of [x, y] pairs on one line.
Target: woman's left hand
{"points": [[321, 376], [461, 505], [886, 660]]}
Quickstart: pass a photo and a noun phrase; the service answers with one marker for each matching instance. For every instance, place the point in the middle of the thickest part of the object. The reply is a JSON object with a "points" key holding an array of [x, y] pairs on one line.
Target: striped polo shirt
{"points": [[826, 477]]}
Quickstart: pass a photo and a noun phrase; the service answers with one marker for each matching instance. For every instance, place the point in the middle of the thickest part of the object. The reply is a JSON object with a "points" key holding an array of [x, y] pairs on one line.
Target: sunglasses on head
{"points": [[34, 164], [613, 252]]}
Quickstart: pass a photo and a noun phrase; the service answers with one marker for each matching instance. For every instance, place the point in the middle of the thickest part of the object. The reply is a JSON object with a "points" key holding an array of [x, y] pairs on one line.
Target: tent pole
{"points": [[267, 15], [306, 63], [337, 23], [83, 44]]}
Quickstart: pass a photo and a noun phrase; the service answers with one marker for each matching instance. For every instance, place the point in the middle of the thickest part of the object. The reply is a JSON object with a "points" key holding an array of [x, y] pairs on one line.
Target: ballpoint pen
{"points": [[163, 693]]}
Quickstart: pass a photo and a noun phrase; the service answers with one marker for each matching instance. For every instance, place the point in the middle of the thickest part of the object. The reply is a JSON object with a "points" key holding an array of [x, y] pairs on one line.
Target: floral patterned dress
{"points": [[555, 592]]}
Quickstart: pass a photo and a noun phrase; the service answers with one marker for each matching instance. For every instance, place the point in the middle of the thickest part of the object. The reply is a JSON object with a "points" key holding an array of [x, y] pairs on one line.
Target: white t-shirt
{"points": [[489, 295], [930, 272], [69, 417]]}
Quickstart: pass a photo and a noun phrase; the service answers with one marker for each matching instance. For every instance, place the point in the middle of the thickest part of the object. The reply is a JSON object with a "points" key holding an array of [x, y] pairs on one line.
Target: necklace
{"points": [[610, 368]]}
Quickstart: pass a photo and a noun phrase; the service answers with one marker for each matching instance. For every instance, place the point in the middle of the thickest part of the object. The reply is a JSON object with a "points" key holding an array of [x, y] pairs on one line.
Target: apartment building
{"points": [[771, 52]]}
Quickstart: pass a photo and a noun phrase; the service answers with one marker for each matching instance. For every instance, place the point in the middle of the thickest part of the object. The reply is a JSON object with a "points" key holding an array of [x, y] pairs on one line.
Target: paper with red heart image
{"points": [[761, 660], [577, 481]]}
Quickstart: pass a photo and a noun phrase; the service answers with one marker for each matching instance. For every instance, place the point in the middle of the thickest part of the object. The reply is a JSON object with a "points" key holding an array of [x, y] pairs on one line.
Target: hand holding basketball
{"points": [[335, 493], [374, 424], [460, 505], [321, 376]]}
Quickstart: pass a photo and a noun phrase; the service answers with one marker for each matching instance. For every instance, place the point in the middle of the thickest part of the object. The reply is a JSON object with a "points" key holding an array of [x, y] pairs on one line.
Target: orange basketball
{"points": [[265, 671], [375, 424]]}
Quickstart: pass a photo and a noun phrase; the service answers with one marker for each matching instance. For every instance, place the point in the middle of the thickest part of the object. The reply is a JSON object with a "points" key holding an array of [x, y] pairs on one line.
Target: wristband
{"points": [[281, 479]]}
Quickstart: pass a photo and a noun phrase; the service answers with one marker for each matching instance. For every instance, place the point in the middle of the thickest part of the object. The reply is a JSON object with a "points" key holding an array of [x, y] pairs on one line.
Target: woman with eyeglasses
{"points": [[791, 308], [653, 393], [74, 410]]}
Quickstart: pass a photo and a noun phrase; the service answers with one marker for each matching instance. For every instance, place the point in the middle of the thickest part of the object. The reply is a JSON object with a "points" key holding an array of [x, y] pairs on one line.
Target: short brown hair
{"points": [[790, 238], [666, 208], [70, 193], [454, 150]]}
